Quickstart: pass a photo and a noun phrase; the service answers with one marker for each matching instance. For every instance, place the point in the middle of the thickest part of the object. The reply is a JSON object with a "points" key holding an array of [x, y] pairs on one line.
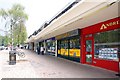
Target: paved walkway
{"points": [[45, 66], [22, 69]]}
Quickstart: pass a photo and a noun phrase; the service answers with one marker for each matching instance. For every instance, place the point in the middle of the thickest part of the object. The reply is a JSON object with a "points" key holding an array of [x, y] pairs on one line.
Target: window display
{"points": [[89, 58], [50, 46], [59, 47], [74, 50], [74, 43], [64, 47], [88, 45], [107, 45], [108, 53]]}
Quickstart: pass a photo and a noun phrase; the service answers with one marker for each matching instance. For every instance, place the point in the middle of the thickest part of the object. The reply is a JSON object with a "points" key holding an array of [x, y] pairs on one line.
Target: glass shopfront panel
{"points": [[59, 47], [88, 45], [64, 47], [74, 43], [107, 45], [50, 46], [74, 50], [89, 51]]}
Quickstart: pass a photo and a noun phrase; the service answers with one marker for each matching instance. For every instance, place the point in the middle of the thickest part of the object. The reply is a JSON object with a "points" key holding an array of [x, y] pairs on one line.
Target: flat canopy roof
{"points": [[82, 15]]}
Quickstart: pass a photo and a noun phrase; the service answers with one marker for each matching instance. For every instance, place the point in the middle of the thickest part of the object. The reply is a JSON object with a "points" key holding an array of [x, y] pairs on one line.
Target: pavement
{"points": [[22, 69], [46, 66]]}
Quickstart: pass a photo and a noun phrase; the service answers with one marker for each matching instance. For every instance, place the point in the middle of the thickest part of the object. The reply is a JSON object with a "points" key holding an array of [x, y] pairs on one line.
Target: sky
{"points": [[38, 11]]}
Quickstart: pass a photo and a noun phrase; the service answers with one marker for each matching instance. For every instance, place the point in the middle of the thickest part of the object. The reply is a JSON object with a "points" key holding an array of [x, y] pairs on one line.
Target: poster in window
{"points": [[89, 58], [105, 50], [108, 57], [105, 56], [112, 50], [102, 55], [114, 56], [109, 50], [100, 51], [115, 50]]}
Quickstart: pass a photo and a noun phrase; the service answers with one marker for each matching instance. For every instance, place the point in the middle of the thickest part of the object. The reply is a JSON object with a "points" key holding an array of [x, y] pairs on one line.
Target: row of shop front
{"points": [[97, 45]]}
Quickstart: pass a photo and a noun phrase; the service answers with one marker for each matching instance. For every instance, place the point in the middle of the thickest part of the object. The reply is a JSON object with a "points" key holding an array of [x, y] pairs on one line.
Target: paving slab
{"points": [[22, 68], [47, 66], [53, 67]]}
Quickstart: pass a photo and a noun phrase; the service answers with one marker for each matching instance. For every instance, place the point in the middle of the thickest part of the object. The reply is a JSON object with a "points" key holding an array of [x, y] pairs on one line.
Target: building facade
{"points": [[101, 44], [89, 35]]}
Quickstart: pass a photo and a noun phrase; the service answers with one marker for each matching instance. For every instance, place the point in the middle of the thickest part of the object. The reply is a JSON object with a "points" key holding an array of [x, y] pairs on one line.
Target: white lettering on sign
{"points": [[105, 26]]}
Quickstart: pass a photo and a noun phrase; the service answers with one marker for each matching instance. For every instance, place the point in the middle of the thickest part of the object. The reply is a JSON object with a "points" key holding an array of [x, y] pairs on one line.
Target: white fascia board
{"points": [[32, 39], [81, 10], [60, 21]]}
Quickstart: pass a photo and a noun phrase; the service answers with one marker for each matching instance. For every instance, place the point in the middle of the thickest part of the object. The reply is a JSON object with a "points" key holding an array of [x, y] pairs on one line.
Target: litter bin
{"points": [[12, 57]]}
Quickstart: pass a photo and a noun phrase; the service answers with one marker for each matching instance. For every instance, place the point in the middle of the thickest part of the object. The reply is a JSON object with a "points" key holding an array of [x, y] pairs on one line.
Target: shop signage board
{"points": [[68, 34], [113, 23], [103, 26]]}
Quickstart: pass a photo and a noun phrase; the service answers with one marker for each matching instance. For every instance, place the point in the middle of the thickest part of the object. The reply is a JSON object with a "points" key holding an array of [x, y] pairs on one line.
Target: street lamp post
{"points": [[11, 26], [12, 53], [11, 37]]}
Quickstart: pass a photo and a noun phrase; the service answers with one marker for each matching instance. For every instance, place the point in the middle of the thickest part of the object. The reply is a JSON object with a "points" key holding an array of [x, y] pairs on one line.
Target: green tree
{"points": [[4, 40], [16, 18], [20, 34], [1, 38]]}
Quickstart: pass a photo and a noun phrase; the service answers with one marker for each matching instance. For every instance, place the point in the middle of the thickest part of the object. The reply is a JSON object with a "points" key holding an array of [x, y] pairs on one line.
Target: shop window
{"points": [[59, 45], [89, 58], [50, 46], [64, 44], [64, 47], [107, 45], [89, 45], [74, 43]]}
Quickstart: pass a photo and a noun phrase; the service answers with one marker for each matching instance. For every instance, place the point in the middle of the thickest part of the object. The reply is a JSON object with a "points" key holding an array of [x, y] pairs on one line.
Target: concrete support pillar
{"points": [[35, 46], [56, 48], [44, 45]]}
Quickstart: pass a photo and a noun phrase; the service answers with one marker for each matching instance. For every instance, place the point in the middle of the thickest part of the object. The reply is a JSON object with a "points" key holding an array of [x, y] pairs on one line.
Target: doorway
{"points": [[89, 49]]}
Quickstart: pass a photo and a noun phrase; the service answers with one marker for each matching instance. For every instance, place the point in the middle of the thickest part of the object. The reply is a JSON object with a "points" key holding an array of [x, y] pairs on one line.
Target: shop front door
{"points": [[89, 50]]}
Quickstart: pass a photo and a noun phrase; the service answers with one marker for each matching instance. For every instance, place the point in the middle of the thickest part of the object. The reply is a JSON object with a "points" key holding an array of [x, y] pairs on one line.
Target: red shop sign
{"points": [[103, 26]]}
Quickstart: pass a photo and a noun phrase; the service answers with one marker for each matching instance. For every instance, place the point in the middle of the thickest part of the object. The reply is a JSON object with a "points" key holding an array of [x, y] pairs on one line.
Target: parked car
{"points": [[6, 48], [1, 47]]}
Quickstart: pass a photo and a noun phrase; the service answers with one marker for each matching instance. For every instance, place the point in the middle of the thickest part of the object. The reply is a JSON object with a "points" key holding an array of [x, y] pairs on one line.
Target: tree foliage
{"points": [[16, 18], [1, 39], [4, 40]]}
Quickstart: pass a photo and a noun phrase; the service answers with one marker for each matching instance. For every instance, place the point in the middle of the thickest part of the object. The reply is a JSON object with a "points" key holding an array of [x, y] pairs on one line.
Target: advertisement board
{"points": [[108, 53]]}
